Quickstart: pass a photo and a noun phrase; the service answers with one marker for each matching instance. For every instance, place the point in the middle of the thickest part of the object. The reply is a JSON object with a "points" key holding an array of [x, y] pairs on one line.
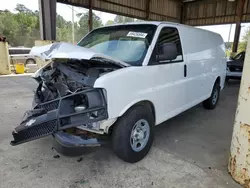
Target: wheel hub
{"points": [[215, 97], [139, 135]]}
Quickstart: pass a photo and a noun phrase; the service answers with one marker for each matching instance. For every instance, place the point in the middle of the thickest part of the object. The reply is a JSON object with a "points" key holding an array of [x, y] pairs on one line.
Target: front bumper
{"points": [[234, 74], [72, 145], [59, 114]]}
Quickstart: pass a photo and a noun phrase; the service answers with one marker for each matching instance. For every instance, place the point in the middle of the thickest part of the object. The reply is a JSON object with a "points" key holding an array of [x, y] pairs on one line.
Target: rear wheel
{"points": [[30, 61], [212, 101], [132, 136]]}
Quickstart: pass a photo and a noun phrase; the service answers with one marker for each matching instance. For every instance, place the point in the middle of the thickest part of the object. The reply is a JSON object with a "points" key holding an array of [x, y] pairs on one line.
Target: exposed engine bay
{"points": [[61, 79], [65, 100]]}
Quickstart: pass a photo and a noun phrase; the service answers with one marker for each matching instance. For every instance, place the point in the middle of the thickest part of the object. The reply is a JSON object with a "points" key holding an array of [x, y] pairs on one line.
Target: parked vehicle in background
{"points": [[235, 66], [121, 81], [21, 55]]}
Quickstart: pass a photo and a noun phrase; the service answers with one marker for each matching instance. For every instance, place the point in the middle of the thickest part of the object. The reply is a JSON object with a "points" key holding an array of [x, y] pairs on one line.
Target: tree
{"points": [[123, 19], [109, 22], [22, 8], [63, 29], [27, 23], [83, 24], [22, 28], [228, 45], [243, 43], [8, 27], [128, 19], [119, 19]]}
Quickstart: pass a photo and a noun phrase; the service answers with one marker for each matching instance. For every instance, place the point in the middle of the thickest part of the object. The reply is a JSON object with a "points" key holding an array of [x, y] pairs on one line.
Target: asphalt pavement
{"points": [[190, 150]]}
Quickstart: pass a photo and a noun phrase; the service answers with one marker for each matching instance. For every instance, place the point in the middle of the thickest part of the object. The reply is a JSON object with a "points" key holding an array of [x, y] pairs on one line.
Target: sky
{"points": [[62, 9], [66, 12]]}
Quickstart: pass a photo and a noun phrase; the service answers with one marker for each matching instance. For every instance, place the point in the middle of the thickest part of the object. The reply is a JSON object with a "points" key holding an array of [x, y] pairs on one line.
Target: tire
{"points": [[212, 101], [227, 79], [30, 61], [125, 135]]}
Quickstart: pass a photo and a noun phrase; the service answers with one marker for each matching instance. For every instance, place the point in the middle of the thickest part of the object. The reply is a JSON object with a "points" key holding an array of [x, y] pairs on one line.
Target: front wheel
{"points": [[212, 101], [133, 134]]}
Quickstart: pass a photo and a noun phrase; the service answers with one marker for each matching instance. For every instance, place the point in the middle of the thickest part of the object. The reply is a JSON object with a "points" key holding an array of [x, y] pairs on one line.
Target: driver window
{"points": [[171, 35]]}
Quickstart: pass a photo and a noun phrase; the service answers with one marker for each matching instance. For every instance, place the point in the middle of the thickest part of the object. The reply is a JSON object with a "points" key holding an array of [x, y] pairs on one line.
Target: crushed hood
{"points": [[63, 50]]}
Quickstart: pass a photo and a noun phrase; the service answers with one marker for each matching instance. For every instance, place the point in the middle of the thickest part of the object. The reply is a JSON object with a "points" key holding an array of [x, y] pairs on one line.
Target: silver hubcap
{"points": [[139, 135], [215, 96]]}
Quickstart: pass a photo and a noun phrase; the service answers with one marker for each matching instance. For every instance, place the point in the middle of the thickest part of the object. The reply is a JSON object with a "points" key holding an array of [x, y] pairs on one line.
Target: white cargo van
{"points": [[119, 82]]}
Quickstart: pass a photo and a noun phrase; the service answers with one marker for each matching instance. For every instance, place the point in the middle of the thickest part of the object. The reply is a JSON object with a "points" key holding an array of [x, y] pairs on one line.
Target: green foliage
{"points": [[228, 45], [109, 22], [22, 8], [83, 24], [8, 26], [22, 28], [243, 43], [123, 19], [63, 29]]}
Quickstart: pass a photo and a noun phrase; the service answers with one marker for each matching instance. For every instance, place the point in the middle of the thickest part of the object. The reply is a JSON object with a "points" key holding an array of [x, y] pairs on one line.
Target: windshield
{"points": [[128, 43]]}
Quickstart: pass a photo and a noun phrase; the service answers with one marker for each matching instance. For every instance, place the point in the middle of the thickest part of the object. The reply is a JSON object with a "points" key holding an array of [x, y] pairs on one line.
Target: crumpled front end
{"points": [[82, 108], [66, 105]]}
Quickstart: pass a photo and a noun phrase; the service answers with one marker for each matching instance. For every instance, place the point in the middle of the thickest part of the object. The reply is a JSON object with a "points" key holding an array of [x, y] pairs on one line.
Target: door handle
{"points": [[185, 70]]}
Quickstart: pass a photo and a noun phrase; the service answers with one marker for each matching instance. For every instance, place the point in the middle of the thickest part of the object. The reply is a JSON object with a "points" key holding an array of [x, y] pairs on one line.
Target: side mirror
{"points": [[167, 52]]}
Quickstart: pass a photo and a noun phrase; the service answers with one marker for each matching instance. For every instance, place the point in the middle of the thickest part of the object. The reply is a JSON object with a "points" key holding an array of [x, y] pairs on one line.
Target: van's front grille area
{"points": [[46, 118], [49, 106], [35, 132]]}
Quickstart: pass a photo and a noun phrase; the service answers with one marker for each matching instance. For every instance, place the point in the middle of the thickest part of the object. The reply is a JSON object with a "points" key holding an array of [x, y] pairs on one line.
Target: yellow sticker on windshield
{"points": [[136, 34]]}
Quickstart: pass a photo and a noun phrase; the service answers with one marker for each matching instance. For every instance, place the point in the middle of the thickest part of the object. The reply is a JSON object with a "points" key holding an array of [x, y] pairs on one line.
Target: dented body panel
{"points": [[64, 50]]}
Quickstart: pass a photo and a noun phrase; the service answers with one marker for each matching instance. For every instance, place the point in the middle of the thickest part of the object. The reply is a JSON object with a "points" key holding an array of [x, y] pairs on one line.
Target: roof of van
{"points": [[160, 22], [145, 22]]}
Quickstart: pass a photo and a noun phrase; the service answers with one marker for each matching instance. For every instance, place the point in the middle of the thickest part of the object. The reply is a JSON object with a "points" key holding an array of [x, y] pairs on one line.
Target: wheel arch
{"points": [[140, 102], [218, 80]]}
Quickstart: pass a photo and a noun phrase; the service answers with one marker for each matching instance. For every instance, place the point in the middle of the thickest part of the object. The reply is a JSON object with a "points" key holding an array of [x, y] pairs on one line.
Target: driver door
{"points": [[170, 76]]}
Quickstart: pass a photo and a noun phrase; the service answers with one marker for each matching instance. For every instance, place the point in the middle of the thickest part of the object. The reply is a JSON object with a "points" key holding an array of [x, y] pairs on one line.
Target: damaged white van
{"points": [[119, 82]]}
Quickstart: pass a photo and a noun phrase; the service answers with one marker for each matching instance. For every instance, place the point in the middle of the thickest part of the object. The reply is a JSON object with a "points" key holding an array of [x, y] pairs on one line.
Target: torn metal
{"points": [[65, 102]]}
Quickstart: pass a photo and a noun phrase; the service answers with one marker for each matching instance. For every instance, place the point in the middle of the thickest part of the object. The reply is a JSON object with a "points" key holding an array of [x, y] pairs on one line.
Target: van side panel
{"points": [[204, 54], [128, 86], [165, 85]]}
